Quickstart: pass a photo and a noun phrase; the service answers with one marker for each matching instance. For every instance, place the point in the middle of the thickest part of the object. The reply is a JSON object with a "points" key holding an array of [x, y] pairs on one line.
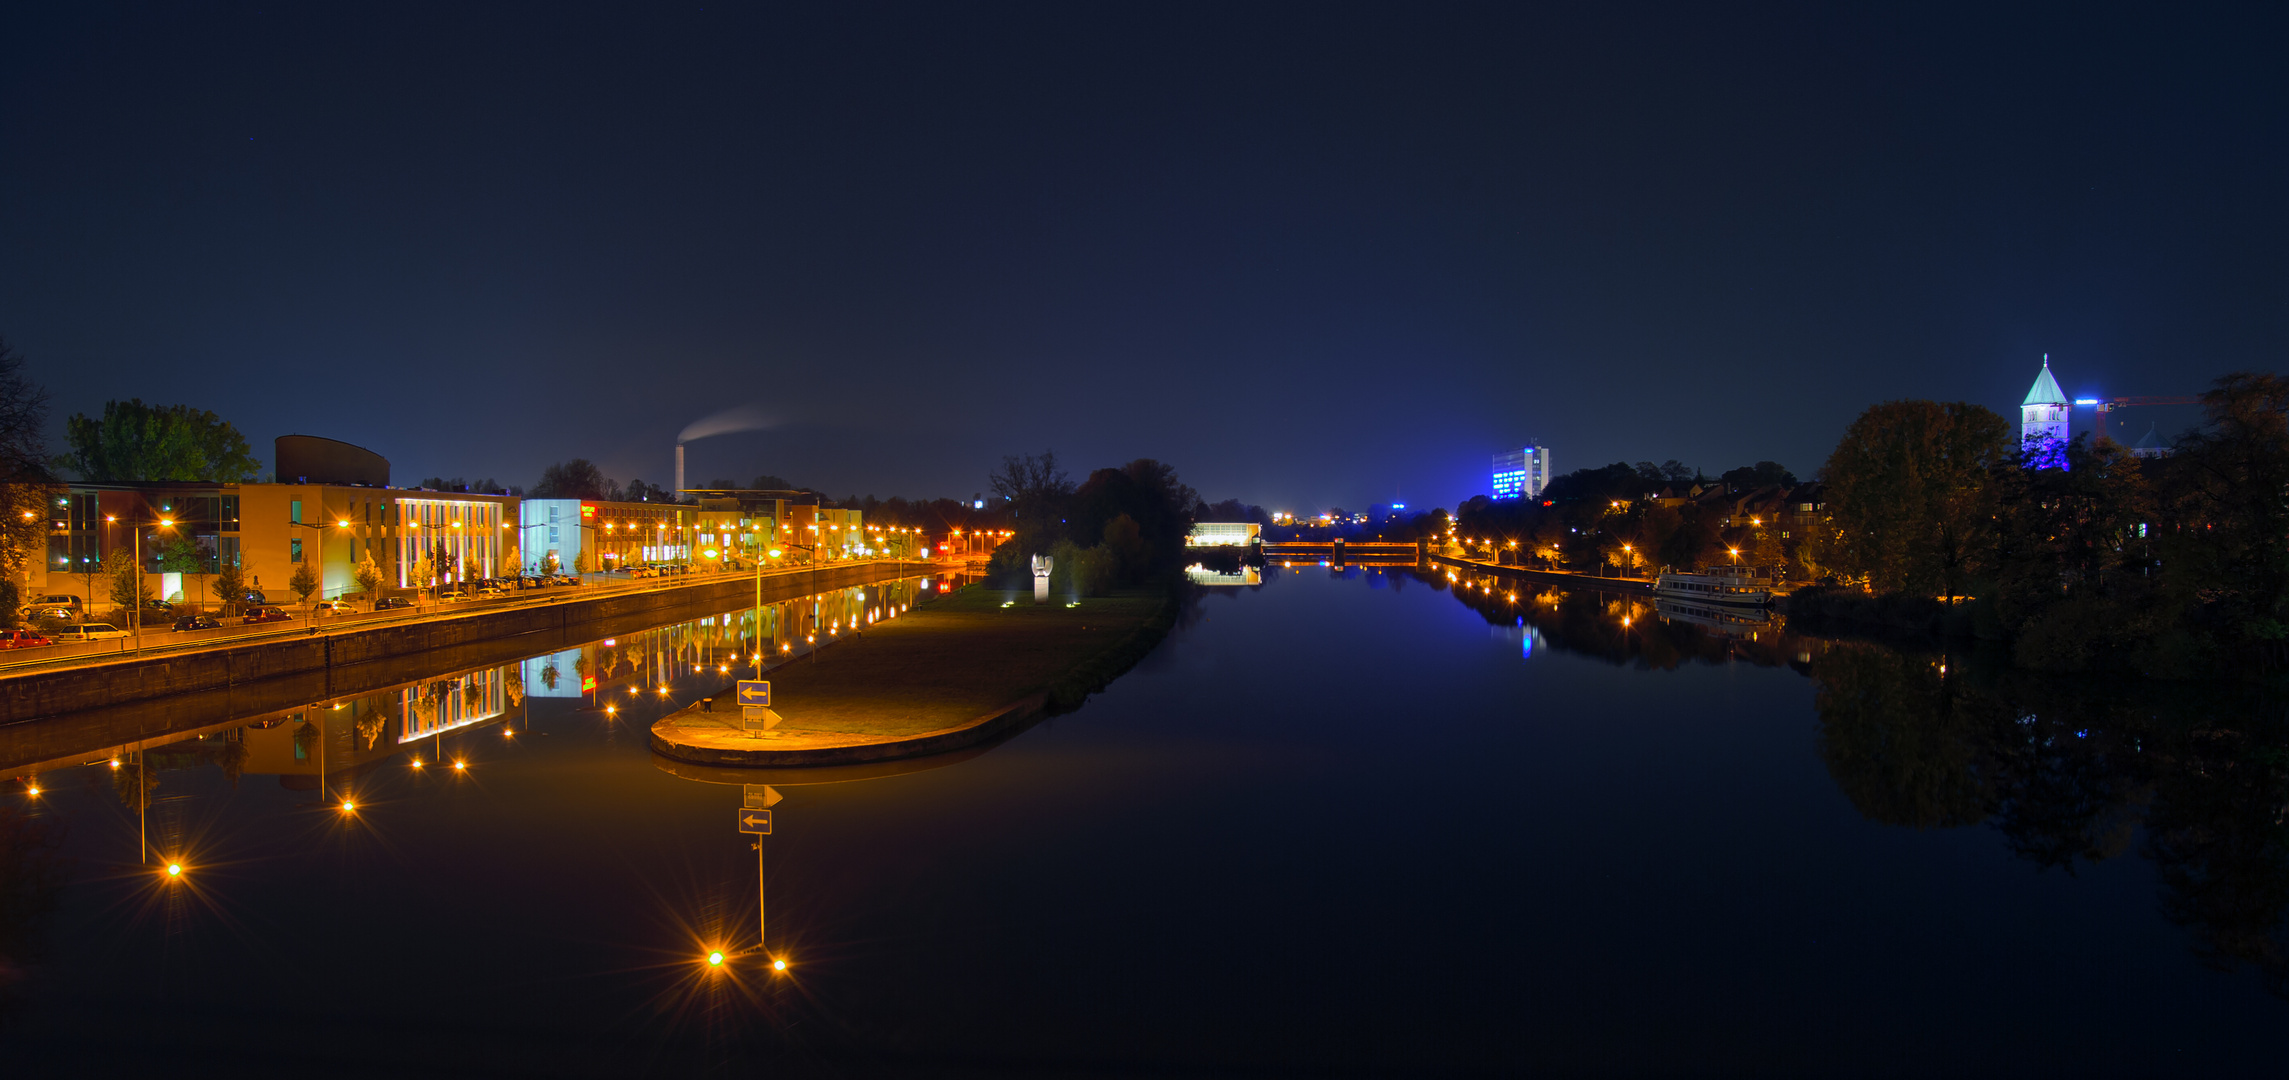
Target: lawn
{"points": [[954, 658]]}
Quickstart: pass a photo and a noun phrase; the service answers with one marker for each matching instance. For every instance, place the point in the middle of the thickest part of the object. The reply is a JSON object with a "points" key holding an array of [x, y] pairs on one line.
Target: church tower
{"points": [[2043, 420]]}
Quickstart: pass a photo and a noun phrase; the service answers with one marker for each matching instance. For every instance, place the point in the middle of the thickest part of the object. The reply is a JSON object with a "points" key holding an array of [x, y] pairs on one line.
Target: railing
{"points": [[94, 653]]}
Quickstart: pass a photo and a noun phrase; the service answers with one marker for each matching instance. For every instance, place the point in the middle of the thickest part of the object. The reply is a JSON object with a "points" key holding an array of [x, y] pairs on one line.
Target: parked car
{"points": [[52, 614], [489, 590], [24, 639], [58, 600], [264, 613], [198, 622], [89, 631], [389, 602], [452, 593], [564, 579], [331, 607], [158, 611]]}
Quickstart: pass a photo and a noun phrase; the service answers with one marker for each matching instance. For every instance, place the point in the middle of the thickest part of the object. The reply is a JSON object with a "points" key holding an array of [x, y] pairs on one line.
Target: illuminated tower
{"points": [[2043, 421]]}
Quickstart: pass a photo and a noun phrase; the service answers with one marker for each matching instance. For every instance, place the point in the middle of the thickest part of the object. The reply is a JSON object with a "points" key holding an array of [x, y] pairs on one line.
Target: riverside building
{"points": [[339, 512], [1521, 473], [187, 532]]}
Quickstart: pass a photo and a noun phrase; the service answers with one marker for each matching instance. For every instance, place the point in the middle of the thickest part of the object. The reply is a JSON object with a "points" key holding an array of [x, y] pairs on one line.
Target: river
{"points": [[1345, 818]]}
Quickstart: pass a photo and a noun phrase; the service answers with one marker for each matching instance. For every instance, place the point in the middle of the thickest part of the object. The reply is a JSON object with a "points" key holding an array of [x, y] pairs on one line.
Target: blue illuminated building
{"points": [[1521, 473], [2043, 422]]}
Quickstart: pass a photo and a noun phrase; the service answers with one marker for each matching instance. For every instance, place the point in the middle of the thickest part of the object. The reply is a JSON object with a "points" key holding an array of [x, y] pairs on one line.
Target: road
{"points": [[164, 640]]}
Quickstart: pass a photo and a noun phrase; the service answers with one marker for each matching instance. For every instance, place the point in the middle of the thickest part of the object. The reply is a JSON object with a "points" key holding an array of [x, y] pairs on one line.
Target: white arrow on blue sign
{"points": [[755, 692], [755, 821]]}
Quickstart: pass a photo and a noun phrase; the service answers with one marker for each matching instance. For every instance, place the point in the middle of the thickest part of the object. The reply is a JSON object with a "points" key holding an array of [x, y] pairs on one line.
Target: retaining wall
{"points": [[332, 663]]}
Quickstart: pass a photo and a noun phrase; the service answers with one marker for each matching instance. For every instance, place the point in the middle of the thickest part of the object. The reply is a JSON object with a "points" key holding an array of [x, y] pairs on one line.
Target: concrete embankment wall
{"points": [[1577, 581], [298, 670]]}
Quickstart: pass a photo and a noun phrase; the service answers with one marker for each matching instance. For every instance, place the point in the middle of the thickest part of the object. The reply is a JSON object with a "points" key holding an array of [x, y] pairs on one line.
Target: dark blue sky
{"points": [[1310, 254]]}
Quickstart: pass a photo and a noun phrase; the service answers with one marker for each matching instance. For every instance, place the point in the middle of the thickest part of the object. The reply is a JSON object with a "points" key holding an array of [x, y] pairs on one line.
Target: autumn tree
{"points": [[130, 589], [368, 575], [304, 582], [1910, 491], [2231, 539], [230, 585]]}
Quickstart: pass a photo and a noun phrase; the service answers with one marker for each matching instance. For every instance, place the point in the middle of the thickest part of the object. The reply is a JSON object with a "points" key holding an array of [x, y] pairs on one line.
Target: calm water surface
{"points": [[1344, 820]]}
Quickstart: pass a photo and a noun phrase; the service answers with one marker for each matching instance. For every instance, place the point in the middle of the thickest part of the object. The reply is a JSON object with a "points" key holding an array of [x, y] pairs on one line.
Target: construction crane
{"points": [[2107, 405]]}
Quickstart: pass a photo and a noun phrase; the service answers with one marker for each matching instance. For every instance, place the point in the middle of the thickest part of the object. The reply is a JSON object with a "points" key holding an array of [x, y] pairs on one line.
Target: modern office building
{"points": [[186, 532], [596, 534], [1521, 473]]}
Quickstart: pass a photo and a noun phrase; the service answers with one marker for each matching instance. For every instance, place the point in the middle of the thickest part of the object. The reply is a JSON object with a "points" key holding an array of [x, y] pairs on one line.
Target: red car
{"points": [[266, 614], [23, 639]]}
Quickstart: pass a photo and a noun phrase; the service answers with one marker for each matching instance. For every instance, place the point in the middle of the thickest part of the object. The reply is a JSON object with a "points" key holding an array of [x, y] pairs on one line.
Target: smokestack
{"points": [[679, 490]]}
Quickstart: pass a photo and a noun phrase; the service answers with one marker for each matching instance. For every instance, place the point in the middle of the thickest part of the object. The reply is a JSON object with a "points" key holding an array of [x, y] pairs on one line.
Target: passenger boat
{"points": [[1734, 585]]}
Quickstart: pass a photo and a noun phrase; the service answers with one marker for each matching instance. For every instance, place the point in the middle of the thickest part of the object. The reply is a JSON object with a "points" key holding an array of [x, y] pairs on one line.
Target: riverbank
{"points": [[950, 673], [1554, 577], [303, 666]]}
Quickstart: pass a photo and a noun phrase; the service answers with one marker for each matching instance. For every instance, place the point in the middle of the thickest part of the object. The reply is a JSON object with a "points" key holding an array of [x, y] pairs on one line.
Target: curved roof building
{"points": [[315, 459]]}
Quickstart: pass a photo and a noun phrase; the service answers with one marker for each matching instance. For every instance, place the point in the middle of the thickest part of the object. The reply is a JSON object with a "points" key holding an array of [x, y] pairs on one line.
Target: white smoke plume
{"points": [[738, 418]]}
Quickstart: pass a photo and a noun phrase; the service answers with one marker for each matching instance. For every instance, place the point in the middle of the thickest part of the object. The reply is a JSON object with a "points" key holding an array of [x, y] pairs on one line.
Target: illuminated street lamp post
{"points": [[135, 610]]}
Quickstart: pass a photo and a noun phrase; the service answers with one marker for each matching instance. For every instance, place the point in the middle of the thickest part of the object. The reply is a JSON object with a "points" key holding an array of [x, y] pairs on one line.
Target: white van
{"points": [[59, 600], [89, 631]]}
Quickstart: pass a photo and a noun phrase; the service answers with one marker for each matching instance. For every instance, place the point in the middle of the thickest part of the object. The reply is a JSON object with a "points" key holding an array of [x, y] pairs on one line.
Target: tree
{"points": [[424, 572], [230, 585], [1034, 487], [487, 486], [549, 564], [137, 442], [305, 580], [575, 479], [368, 575], [1762, 474], [129, 588], [183, 555], [2232, 535], [27, 490], [1909, 491]]}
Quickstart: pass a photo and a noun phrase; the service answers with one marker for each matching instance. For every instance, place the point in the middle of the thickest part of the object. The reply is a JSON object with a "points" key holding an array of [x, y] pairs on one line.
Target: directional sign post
{"points": [[755, 715], [755, 821]]}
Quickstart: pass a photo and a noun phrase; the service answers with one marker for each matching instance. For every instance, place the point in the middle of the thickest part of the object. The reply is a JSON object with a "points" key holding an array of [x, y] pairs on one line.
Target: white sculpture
{"points": [[1041, 565]]}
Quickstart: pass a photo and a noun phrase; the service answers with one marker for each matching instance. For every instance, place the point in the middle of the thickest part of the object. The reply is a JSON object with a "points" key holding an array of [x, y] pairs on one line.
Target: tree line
{"points": [[1627, 518], [2170, 565], [1122, 527]]}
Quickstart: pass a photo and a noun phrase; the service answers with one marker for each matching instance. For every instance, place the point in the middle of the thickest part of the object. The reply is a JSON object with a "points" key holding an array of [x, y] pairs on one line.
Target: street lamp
{"points": [[319, 554], [135, 611]]}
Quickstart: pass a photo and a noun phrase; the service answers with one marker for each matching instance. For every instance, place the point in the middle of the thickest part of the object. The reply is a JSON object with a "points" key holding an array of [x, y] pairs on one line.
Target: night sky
{"points": [[1312, 255]]}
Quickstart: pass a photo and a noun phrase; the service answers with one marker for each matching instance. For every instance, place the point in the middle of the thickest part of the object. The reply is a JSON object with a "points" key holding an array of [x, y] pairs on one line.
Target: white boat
{"points": [[1731, 585]]}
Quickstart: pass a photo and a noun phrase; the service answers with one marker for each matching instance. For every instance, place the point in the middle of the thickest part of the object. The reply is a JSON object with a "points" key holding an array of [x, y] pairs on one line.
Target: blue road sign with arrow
{"points": [[755, 692], [755, 821]]}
